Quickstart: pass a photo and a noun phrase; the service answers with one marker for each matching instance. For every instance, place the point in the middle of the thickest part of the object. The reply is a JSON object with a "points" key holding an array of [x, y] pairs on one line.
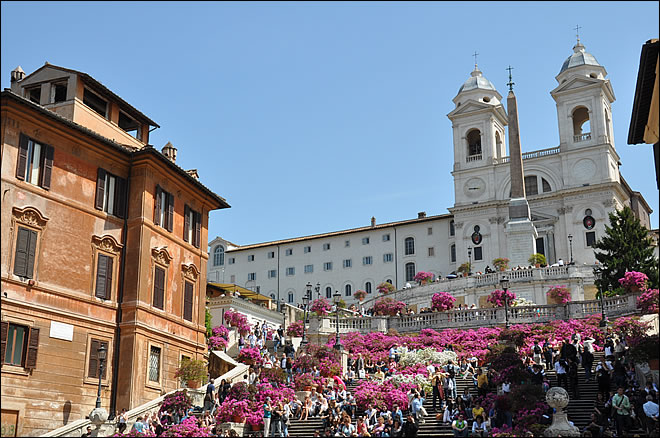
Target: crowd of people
{"points": [[626, 401]]}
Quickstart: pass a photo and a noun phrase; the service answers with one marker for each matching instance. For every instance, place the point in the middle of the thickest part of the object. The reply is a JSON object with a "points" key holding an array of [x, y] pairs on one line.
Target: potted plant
{"points": [[464, 269], [360, 294], [423, 277], [321, 307], [442, 301], [537, 260], [501, 263], [385, 288], [192, 372], [304, 382], [233, 410], [559, 295], [634, 281], [295, 329], [255, 419]]}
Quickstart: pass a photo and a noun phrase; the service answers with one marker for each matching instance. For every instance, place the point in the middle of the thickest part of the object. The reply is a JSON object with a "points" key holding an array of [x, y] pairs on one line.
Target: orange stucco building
{"points": [[103, 243]]}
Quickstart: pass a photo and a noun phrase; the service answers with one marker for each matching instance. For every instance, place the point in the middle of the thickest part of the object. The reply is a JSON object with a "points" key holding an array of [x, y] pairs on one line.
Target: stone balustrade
{"points": [[528, 283], [474, 318]]}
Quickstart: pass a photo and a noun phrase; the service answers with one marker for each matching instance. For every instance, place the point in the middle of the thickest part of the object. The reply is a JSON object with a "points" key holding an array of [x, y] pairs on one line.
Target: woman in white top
{"points": [[479, 427]]}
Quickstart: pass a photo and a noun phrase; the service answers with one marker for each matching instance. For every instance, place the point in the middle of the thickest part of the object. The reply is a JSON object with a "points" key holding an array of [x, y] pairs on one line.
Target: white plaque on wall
{"points": [[60, 330]]}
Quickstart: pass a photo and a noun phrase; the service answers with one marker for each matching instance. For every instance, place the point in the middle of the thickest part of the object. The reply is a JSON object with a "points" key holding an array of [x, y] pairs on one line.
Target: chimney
{"points": [[170, 152], [373, 221], [421, 214], [17, 74]]}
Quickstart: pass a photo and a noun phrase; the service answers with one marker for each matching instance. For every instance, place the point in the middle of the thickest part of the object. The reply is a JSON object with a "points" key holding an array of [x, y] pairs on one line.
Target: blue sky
{"points": [[313, 117]]}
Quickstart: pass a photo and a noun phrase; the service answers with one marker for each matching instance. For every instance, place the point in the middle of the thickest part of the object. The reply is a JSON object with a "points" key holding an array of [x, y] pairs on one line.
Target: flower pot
{"points": [[307, 388], [238, 419], [192, 384], [255, 427], [537, 265]]}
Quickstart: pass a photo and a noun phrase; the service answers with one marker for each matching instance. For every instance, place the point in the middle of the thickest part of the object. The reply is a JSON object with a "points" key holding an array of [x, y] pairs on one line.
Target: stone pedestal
{"points": [[300, 395], [238, 427], [521, 234], [98, 417], [557, 398]]}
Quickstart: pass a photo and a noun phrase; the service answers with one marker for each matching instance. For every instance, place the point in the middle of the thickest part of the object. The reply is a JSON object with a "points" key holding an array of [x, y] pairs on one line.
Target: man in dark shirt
{"points": [[410, 427]]}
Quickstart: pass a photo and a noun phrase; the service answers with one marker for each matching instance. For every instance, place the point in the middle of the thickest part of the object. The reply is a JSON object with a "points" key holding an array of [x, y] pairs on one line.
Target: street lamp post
{"points": [[102, 356], [505, 287], [570, 244], [469, 261], [317, 288], [336, 298], [598, 274], [283, 310], [306, 300]]}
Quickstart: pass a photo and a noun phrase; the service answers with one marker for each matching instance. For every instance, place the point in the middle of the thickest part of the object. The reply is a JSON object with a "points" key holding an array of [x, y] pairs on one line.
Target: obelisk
{"points": [[520, 230]]}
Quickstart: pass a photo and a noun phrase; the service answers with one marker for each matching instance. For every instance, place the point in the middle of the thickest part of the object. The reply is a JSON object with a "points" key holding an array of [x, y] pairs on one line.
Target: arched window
{"points": [[410, 271], [452, 253], [219, 256], [452, 229], [546, 185], [367, 287], [581, 124], [409, 245], [291, 298], [328, 292], [348, 290], [474, 142]]}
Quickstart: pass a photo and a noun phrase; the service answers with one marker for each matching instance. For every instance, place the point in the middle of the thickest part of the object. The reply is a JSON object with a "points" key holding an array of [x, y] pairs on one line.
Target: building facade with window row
{"points": [[570, 189], [101, 246]]}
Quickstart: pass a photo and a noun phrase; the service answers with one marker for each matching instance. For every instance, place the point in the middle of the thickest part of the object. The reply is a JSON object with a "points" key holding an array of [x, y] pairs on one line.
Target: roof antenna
{"points": [[511, 83]]}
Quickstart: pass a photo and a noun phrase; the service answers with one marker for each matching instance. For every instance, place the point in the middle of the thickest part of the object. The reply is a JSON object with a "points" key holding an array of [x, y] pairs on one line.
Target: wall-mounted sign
{"points": [[59, 330]]}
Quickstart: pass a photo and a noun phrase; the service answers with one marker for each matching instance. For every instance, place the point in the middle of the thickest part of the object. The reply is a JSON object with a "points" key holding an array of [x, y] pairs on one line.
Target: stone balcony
{"points": [[475, 318]]}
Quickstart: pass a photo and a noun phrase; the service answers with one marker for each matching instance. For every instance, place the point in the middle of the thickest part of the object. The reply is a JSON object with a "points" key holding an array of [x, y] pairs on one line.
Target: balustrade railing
{"points": [[488, 317], [476, 157], [582, 137]]}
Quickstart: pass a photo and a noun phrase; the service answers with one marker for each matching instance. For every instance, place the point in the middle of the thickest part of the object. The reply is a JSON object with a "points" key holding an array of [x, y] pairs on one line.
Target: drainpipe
{"points": [[120, 299], [396, 263]]}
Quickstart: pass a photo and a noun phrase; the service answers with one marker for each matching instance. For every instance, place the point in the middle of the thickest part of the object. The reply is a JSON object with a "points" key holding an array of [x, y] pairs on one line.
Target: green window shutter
{"points": [[170, 212], [188, 301], [157, 206], [186, 223]]}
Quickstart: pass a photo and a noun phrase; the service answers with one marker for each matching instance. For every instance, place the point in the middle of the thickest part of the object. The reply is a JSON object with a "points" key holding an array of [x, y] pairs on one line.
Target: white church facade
{"points": [[569, 189]]}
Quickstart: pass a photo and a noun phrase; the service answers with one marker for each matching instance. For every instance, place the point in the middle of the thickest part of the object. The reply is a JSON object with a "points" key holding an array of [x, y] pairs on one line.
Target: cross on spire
{"points": [[475, 58], [511, 83], [577, 32]]}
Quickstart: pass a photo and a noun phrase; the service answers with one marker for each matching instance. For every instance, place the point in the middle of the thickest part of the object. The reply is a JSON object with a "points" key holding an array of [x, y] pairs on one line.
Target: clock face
{"points": [[474, 187]]}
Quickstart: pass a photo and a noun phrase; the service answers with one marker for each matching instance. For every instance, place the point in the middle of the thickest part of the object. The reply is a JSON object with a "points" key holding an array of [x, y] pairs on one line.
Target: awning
{"points": [[245, 293]]}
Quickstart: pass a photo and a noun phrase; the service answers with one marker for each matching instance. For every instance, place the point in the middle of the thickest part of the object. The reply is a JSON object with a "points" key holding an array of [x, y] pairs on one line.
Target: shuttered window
{"points": [[159, 287], [164, 209], [188, 294], [35, 162], [192, 226], [104, 277], [19, 345], [26, 244], [94, 364], [110, 193]]}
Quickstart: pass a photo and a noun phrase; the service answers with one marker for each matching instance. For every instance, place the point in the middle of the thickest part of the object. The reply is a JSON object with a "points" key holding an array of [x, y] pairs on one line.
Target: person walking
{"points": [[621, 405], [573, 378], [562, 376], [588, 358], [537, 350], [547, 354], [603, 378], [437, 391]]}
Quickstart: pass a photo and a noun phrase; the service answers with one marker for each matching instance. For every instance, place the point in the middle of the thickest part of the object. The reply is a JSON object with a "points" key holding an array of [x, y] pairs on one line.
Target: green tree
{"points": [[209, 327], [626, 246]]}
